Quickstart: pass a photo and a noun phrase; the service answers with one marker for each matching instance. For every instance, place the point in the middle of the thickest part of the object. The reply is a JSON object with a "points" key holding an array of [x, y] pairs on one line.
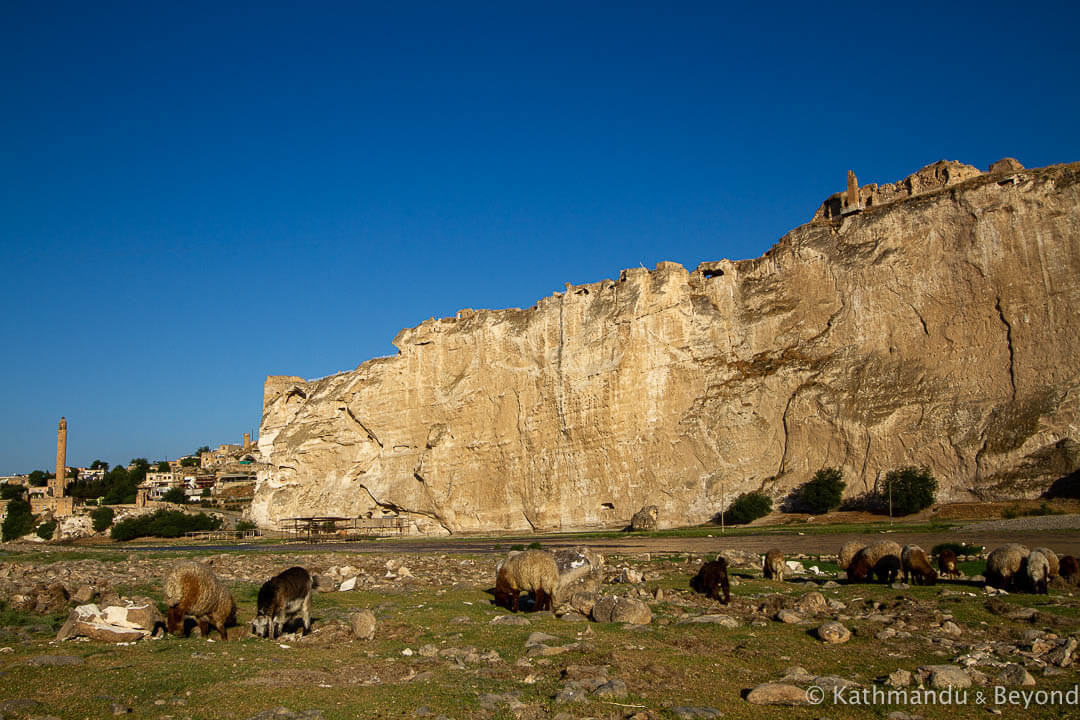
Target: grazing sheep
{"points": [[1069, 569], [1004, 566], [882, 559], [916, 566], [193, 589], [946, 563], [529, 571], [1051, 556], [1037, 572], [711, 578], [774, 567], [848, 552], [281, 599]]}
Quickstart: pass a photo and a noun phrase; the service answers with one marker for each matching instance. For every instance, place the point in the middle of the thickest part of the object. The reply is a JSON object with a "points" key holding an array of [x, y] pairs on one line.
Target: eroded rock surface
{"points": [[938, 327]]}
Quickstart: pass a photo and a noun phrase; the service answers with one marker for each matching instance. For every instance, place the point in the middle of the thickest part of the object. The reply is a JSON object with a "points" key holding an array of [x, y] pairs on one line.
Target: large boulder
{"points": [[610, 608], [580, 570]]}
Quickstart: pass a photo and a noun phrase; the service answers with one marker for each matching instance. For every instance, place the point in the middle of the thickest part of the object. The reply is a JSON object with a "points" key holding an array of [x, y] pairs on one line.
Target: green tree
{"points": [[163, 466], [200, 451], [102, 518], [40, 477], [12, 492], [73, 473], [18, 522], [910, 489], [824, 492], [747, 508], [119, 486], [99, 465], [175, 495], [163, 523], [189, 462], [245, 525]]}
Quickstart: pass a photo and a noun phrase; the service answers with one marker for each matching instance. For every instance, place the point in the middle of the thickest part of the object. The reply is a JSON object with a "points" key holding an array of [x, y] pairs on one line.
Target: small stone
{"points": [[777, 694], [509, 620], [951, 629], [687, 712], [811, 603], [833, 633], [725, 620], [944, 676], [1013, 675], [362, 625], [428, 651], [899, 678], [119, 709], [55, 660], [786, 616], [613, 688]]}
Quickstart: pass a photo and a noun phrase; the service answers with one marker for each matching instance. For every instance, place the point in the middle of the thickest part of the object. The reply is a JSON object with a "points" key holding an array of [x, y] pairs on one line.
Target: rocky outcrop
{"points": [[937, 329]]}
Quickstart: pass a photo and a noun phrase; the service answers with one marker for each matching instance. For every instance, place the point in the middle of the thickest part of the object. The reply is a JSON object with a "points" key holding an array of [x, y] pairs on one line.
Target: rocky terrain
{"points": [[416, 636], [937, 327]]}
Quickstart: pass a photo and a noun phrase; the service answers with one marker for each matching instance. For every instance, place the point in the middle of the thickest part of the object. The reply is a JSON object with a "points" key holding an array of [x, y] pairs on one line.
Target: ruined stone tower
{"points": [[57, 484]]}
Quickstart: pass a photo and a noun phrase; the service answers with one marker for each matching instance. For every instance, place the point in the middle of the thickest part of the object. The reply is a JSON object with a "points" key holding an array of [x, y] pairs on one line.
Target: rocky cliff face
{"points": [[938, 329]]}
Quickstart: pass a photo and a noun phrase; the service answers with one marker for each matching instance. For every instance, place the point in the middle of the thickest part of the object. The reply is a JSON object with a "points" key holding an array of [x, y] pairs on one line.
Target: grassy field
{"points": [[432, 653]]}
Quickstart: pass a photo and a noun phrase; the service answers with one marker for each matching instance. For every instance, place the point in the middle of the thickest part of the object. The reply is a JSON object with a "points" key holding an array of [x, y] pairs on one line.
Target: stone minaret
{"points": [[852, 200], [60, 481]]}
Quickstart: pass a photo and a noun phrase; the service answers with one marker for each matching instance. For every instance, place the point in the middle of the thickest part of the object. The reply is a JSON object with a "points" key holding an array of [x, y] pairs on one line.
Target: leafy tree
{"points": [[911, 489], [163, 466], [163, 523], [189, 462], [747, 508], [245, 525], [19, 520], [175, 495], [120, 486], [200, 451], [45, 530], [11, 492], [102, 518], [824, 492], [72, 473], [99, 465], [40, 477]]}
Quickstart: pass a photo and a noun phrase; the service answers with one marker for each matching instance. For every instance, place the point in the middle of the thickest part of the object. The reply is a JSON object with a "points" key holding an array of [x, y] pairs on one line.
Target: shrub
{"points": [[163, 523], [824, 492], [175, 495], [534, 545], [46, 529], [102, 518], [747, 508], [1014, 511], [957, 548], [245, 525], [19, 520], [910, 488]]}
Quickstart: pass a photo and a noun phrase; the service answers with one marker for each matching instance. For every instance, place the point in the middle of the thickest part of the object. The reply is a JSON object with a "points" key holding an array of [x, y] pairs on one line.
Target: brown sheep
{"points": [[193, 589], [773, 566], [917, 566], [946, 563], [1004, 566], [882, 560], [1069, 569], [529, 571], [711, 579]]}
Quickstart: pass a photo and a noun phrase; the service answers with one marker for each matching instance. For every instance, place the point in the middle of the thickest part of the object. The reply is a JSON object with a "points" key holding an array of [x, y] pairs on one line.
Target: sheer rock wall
{"points": [[940, 329]]}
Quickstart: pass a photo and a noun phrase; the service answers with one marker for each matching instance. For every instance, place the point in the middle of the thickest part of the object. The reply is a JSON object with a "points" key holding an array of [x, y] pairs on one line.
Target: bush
{"points": [[824, 492], [910, 488], [957, 548], [747, 508], [163, 523], [102, 518], [45, 530], [175, 495], [19, 520], [245, 525], [1014, 511]]}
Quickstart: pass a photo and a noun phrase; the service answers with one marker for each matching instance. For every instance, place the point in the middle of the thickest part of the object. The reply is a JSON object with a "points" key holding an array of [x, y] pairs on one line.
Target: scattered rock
{"points": [[777, 694], [725, 620], [610, 608], [509, 620], [284, 713], [55, 660], [362, 625], [944, 676], [833, 633], [1013, 675], [687, 712], [347, 585], [645, 518], [811, 603], [786, 616], [899, 678]]}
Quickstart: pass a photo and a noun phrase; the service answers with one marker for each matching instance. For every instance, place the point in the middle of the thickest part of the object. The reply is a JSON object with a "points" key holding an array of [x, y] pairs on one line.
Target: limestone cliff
{"points": [[938, 327]]}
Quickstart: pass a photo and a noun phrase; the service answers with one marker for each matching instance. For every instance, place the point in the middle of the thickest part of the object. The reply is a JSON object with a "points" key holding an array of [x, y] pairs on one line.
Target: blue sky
{"points": [[197, 196]]}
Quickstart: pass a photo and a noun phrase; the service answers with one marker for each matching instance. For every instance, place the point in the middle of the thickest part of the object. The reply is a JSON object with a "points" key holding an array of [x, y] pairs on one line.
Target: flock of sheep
{"points": [[192, 589]]}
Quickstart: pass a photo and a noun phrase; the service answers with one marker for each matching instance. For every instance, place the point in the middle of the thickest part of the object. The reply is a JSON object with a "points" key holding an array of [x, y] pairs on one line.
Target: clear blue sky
{"points": [[194, 197]]}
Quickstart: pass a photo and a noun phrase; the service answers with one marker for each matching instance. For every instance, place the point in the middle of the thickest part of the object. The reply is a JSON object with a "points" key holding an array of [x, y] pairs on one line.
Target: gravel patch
{"points": [[1022, 524]]}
